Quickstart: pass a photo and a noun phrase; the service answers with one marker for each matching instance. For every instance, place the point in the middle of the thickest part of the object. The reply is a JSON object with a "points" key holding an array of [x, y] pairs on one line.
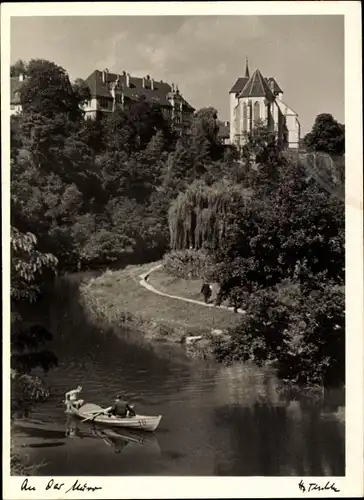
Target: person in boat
{"points": [[206, 292], [121, 408], [72, 398]]}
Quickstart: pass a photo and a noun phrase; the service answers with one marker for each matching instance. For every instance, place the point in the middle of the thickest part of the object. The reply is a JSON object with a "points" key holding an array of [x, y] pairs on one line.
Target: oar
{"points": [[96, 414]]}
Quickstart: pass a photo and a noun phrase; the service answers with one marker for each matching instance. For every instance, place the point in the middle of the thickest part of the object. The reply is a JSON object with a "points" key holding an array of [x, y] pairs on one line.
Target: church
{"points": [[256, 98]]}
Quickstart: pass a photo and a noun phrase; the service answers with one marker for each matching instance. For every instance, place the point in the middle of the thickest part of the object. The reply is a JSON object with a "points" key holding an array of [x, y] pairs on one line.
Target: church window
{"points": [[245, 117], [256, 112]]}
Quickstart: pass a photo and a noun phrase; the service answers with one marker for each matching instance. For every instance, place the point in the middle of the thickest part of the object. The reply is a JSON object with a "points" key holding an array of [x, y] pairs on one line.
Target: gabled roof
{"points": [[239, 84], [158, 94], [15, 85], [257, 86]]}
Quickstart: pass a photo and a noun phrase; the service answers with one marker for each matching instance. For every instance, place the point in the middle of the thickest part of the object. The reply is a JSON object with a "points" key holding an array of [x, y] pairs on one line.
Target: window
{"points": [[12, 106], [245, 117], [105, 103], [256, 112]]}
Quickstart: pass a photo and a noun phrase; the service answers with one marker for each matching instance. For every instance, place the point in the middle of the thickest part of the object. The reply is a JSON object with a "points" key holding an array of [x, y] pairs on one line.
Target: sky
{"points": [[203, 55]]}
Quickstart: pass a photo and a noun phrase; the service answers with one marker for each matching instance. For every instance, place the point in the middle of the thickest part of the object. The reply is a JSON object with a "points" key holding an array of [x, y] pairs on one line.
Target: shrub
{"points": [[187, 264], [301, 332]]}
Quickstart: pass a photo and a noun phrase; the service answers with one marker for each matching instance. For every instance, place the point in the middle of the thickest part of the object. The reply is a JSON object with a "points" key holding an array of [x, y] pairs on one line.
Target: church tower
{"points": [[234, 101]]}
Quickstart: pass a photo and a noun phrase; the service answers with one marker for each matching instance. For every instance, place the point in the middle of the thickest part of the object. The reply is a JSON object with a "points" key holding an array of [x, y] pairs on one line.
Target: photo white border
{"points": [[214, 487]]}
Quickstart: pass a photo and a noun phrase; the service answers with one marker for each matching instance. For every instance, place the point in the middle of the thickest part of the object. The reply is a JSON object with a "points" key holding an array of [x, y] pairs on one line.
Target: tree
{"points": [[295, 231], [18, 68], [54, 180], [29, 270], [327, 136], [132, 130], [200, 214], [204, 132], [47, 90], [261, 158], [300, 330], [82, 91]]}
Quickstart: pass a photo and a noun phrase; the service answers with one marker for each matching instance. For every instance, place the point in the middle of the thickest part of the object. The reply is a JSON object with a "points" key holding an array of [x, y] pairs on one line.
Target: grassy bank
{"points": [[117, 298], [187, 288]]}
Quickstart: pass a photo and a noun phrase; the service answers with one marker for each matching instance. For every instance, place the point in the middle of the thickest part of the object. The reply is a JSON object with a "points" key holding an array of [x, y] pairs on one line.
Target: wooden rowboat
{"points": [[140, 422]]}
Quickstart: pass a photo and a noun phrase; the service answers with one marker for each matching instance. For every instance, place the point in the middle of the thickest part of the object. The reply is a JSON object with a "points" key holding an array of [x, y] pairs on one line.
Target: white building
{"points": [[256, 98]]}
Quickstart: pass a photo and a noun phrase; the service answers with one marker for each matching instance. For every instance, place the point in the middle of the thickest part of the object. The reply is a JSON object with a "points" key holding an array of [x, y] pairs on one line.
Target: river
{"points": [[223, 421]]}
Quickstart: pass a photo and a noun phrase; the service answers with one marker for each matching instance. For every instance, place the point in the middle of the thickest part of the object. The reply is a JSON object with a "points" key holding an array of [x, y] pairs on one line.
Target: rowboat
{"points": [[141, 422]]}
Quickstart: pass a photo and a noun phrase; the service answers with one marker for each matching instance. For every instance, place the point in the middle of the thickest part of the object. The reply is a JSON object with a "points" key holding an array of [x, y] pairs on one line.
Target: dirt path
{"points": [[144, 283]]}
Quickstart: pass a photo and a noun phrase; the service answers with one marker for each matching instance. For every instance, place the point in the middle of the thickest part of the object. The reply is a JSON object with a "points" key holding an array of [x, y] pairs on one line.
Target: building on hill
{"points": [[256, 98], [15, 103], [110, 91]]}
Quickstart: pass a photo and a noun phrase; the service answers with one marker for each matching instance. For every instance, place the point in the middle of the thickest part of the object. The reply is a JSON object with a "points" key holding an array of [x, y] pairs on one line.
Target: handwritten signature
{"points": [[53, 485], [316, 487]]}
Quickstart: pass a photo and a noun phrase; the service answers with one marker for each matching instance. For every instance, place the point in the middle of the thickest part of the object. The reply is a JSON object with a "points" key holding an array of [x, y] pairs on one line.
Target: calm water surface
{"points": [[216, 420]]}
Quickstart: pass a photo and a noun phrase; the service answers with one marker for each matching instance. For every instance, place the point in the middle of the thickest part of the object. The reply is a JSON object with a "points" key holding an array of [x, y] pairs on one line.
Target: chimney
{"points": [[152, 84], [128, 80], [172, 87], [21, 77], [104, 75], [143, 82]]}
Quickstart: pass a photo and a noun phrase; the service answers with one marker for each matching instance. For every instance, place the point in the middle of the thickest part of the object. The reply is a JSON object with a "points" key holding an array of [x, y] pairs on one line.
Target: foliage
{"points": [[27, 264], [295, 232], [18, 68], [261, 158], [48, 90], [126, 188], [292, 229], [327, 135], [28, 272], [132, 130], [205, 130], [199, 215], [187, 263], [301, 332]]}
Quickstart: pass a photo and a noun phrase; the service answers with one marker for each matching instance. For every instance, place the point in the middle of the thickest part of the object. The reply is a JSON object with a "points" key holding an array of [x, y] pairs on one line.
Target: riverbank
{"points": [[117, 298]]}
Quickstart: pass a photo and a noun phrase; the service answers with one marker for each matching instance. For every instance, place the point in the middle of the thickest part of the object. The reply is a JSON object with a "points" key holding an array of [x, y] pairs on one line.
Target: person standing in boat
{"points": [[72, 398], [122, 409]]}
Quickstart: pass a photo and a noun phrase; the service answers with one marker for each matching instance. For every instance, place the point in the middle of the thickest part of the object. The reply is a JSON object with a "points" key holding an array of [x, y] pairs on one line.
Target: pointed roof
{"points": [[239, 84], [273, 83], [247, 75], [257, 86]]}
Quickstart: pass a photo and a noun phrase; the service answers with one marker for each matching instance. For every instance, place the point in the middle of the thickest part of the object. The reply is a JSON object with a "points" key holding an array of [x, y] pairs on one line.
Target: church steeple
{"points": [[247, 69]]}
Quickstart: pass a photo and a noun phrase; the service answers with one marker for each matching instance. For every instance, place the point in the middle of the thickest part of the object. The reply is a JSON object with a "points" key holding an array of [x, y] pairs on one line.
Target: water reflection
{"points": [[217, 420], [117, 439], [278, 440]]}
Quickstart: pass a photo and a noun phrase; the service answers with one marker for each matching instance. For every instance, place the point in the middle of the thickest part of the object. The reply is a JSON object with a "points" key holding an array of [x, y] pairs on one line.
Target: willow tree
{"points": [[200, 214]]}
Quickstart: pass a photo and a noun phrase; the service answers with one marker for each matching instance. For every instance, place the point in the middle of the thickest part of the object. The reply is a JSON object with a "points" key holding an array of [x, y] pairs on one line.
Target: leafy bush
{"points": [[301, 332], [187, 263]]}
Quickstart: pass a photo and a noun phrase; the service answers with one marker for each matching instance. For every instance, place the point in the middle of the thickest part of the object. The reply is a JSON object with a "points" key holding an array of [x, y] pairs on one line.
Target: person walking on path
{"points": [[206, 292]]}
